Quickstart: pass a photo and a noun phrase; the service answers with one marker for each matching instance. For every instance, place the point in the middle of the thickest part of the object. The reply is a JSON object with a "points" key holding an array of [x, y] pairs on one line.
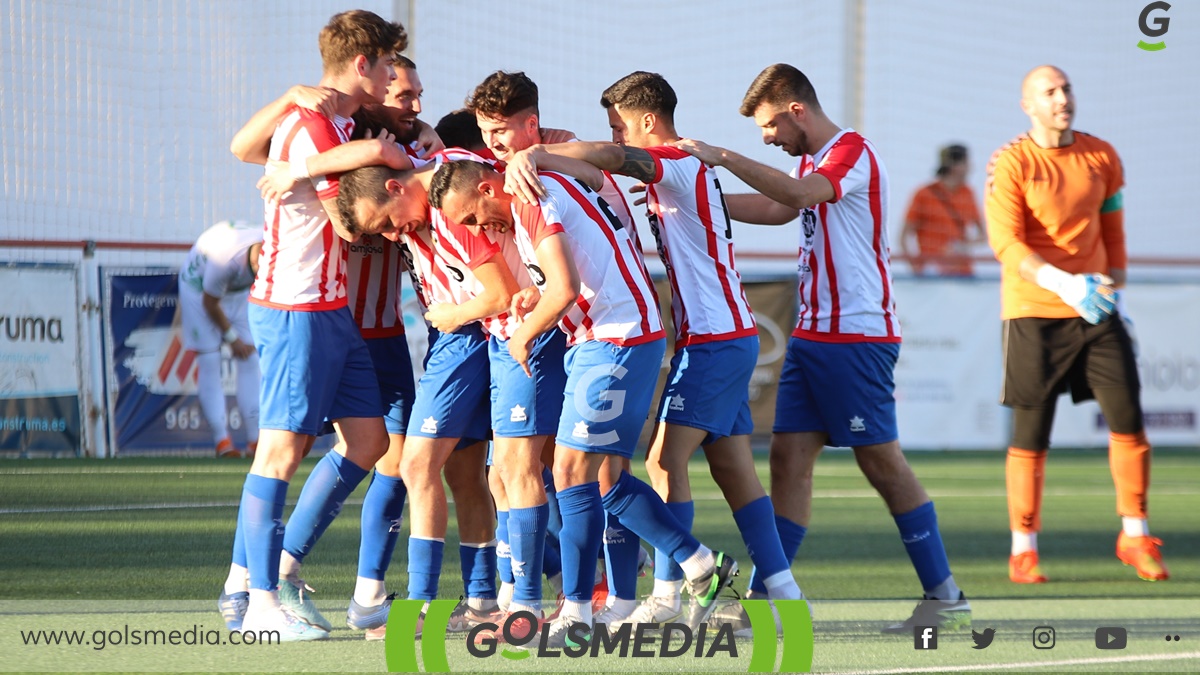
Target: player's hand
{"points": [[1092, 295], [640, 188], [241, 350], [709, 154], [277, 181], [552, 136], [321, 99], [443, 316], [521, 177], [427, 139], [523, 302], [519, 350]]}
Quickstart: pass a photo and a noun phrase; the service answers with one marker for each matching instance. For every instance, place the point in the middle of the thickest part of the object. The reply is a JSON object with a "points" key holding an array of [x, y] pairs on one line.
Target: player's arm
{"points": [[281, 176], [252, 143], [216, 314], [795, 194], [499, 286], [521, 171], [1112, 222], [558, 295], [759, 209]]}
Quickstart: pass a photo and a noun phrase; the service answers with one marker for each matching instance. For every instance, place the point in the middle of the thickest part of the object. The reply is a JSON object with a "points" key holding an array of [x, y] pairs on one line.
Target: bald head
{"points": [[1037, 77], [1047, 99]]}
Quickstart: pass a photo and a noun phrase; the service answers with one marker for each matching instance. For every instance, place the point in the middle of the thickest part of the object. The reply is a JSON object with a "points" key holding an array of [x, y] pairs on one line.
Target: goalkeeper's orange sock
{"points": [[1025, 473], [1129, 460]]}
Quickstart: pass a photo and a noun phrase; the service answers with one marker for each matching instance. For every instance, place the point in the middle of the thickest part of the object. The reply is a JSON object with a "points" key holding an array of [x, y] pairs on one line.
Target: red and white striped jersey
{"points": [[373, 268], [301, 265], [616, 300], [845, 270], [691, 226]]}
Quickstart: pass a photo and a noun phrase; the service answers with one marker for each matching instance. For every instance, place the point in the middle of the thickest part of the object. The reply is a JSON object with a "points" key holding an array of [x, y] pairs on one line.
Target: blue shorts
{"points": [[394, 371], [452, 396], [843, 389], [524, 406], [709, 388], [608, 395], [315, 366]]}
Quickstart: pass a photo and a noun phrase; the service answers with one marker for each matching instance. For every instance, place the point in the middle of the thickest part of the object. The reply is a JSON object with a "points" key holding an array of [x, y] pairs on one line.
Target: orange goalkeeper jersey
{"points": [[1063, 204]]}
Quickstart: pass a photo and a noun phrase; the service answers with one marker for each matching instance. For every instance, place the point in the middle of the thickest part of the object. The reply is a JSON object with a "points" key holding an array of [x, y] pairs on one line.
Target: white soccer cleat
{"points": [[654, 609], [265, 624]]}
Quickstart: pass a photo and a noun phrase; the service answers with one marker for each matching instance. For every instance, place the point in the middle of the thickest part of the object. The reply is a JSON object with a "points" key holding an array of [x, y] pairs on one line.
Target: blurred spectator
{"points": [[944, 218]]}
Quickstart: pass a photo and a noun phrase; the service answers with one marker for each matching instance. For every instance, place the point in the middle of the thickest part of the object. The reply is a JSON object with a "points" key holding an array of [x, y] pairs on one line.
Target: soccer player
{"points": [[836, 387], [706, 402], [1056, 223], [315, 364], [213, 288], [590, 281]]}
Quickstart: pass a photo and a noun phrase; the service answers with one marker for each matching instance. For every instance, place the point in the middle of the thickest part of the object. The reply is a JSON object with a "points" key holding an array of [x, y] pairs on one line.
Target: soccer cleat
{"points": [[655, 609], [931, 612], [359, 617], [294, 595], [557, 636], [464, 617], [1023, 568], [285, 623], [225, 450], [1142, 554], [233, 608], [600, 595], [520, 628], [611, 616], [380, 632], [705, 589]]}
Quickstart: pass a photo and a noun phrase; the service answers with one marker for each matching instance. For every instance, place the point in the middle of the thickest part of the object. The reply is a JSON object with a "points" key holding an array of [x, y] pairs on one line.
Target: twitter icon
{"points": [[984, 639]]}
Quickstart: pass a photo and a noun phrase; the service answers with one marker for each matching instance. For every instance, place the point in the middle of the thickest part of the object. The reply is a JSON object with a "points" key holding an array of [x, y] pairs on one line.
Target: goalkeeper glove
{"points": [[1091, 295]]}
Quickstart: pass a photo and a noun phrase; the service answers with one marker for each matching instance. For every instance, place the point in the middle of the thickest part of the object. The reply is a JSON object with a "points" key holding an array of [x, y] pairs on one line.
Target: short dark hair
{"points": [[367, 182], [460, 130], [955, 153], [454, 177], [504, 94], [642, 92], [359, 32], [374, 117], [779, 84], [403, 61]]}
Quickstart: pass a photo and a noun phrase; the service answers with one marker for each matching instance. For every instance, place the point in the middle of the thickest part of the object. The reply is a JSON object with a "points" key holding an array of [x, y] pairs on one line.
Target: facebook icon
{"points": [[924, 637]]}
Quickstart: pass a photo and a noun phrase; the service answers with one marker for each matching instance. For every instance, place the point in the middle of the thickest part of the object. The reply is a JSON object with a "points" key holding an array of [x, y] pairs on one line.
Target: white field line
{"points": [[1019, 665]]}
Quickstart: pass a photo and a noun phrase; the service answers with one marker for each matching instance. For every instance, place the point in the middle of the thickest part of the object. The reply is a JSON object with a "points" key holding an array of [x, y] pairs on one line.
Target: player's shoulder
{"points": [[668, 152], [1092, 143], [1014, 152]]}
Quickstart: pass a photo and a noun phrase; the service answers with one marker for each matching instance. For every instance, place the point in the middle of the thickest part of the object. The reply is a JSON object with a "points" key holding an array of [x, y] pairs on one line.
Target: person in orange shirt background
{"points": [[1056, 223], [944, 218]]}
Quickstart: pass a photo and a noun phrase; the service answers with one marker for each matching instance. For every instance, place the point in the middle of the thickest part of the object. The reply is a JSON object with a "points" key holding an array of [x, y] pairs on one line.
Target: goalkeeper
{"points": [[1056, 224]]}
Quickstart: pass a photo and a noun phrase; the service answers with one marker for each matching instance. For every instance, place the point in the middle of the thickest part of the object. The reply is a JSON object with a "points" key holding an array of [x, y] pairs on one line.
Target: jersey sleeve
{"points": [[540, 220], [475, 249], [1112, 214], [1005, 208], [918, 207], [316, 135], [217, 275], [841, 166], [669, 168]]}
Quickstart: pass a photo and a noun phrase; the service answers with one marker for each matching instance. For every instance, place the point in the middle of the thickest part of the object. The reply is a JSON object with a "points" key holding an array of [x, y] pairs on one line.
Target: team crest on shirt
{"points": [[675, 403], [856, 424], [518, 414], [429, 426], [581, 430]]}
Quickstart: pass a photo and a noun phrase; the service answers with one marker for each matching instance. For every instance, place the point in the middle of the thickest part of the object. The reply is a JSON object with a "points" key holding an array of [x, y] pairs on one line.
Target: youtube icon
{"points": [[1111, 638]]}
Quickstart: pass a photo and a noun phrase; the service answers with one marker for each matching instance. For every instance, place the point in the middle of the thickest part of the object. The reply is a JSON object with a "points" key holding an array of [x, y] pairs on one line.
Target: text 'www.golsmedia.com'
{"points": [[196, 636]]}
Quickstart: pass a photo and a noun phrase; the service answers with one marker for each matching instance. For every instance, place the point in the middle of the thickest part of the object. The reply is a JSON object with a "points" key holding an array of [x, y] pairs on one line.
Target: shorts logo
{"points": [[856, 424], [429, 426], [676, 403], [581, 430], [518, 414]]}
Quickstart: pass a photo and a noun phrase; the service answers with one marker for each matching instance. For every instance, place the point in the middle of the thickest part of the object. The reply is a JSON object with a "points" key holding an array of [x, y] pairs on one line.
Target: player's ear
{"points": [[649, 121], [797, 109], [361, 65], [393, 187], [532, 124]]}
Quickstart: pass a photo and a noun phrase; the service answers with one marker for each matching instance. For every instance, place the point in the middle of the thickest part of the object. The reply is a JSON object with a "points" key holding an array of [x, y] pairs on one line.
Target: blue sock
{"points": [[762, 543], [503, 548], [919, 532], [527, 542], [665, 568], [424, 567], [621, 548], [382, 510], [551, 557], [261, 514], [321, 499], [790, 537], [554, 524], [582, 532], [239, 542], [478, 570], [639, 507]]}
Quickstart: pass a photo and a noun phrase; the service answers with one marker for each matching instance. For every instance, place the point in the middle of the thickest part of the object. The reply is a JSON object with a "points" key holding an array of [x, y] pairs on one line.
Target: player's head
{"points": [[252, 257], [404, 95], [362, 44], [640, 105], [381, 200], [460, 130], [1047, 98], [953, 162], [783, 104], [506, 110], [472, 194]]}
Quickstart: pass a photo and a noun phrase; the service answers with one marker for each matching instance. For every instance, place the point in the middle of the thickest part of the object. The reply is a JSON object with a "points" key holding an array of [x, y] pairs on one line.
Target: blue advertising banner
{"points": [[39, 359], [151, 378]]}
